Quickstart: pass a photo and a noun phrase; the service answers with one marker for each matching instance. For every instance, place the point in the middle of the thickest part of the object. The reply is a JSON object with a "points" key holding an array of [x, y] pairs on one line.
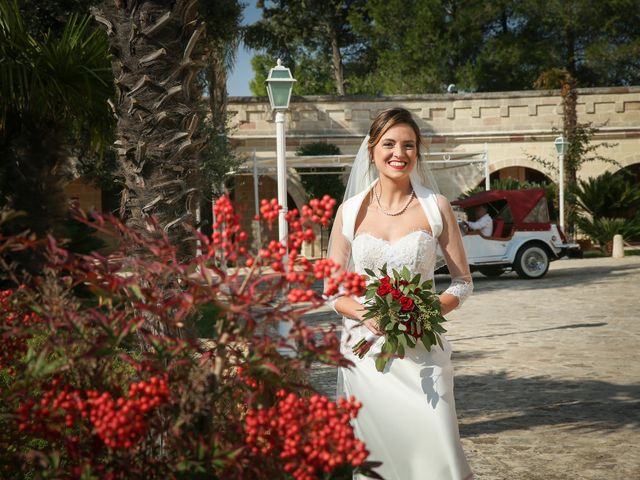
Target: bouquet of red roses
{"points": [[407, 312]]}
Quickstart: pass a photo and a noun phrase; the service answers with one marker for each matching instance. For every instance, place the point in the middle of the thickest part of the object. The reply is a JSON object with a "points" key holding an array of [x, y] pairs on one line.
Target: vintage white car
{"points": [[523, 238]]}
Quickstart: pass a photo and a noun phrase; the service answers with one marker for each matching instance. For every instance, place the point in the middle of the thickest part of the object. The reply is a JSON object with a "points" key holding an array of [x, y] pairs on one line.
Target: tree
{"points": [[308, 34], [53, 90], [320, 181], [579, 135], [420, 46], [223, 19], [43, 17], [158, 107]]}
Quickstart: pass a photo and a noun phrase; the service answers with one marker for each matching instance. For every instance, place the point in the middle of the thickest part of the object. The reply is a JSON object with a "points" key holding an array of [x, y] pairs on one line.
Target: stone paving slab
{"points": [[547, 372]]}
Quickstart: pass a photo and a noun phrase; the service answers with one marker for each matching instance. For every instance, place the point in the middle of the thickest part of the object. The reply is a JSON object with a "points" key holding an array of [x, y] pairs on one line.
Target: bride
{"points": [[408, 419]]}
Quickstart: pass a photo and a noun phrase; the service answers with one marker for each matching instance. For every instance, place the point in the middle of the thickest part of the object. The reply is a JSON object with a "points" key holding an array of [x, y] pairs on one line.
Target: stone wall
{"points": [[512, 125]]}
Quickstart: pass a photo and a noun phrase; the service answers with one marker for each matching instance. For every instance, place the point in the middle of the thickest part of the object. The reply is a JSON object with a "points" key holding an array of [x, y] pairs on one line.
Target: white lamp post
{"points": [[279, 86], [561, 147]]}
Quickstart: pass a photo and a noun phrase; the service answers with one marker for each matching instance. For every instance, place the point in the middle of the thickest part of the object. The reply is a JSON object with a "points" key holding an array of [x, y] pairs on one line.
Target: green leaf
{"points": [[137, 291], [400, 350], [406, 274], [416, 279], [438, 328], [411, 342], [426, 342], [381, 362], [370, 272]]}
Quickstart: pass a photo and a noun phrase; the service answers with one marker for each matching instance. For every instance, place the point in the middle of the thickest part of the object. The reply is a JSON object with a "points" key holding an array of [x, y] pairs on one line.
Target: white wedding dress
{"points": [[408, 418]]}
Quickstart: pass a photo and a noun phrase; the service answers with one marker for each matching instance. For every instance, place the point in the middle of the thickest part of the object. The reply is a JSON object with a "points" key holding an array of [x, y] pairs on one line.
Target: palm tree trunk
{"points": [[35, 158], [158, 105]]}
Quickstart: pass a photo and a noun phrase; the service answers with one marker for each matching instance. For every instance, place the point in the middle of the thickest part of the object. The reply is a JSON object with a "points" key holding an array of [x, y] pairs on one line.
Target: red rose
{"points": [[384, 288], [417, 290], [406, 304], [396, 294], [403, 282]]}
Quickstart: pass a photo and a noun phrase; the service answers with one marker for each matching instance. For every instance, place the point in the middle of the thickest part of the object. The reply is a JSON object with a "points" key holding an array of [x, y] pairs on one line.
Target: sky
{"points": [[238, 82]]}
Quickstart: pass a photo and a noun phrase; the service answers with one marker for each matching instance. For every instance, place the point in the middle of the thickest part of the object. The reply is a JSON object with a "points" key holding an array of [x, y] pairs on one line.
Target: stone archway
{"points": [[631, 164], [294, 187], [520, 169], [521, 174]]}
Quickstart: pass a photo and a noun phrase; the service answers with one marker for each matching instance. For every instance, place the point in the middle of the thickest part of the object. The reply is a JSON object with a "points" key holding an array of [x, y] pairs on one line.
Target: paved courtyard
{"points": [[547, 372]]}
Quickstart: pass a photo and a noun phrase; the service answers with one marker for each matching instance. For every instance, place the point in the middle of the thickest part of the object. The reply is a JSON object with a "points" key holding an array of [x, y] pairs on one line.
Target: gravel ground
{"points": [[547, 372]]}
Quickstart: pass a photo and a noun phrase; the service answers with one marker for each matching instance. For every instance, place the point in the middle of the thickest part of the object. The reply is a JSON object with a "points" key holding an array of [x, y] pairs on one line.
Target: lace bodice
{"points": [[359, 242], [416, 251]]}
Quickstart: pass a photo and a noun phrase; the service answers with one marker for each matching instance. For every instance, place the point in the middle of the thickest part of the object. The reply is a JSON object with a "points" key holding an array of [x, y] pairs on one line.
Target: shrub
{"points": [[608, 196], [105, 373], [602, 230], [321, 180], [608, 205]]}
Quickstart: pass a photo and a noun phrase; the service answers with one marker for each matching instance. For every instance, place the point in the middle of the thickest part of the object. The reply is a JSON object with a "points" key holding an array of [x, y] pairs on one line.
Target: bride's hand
{"points": [[372, 325]]}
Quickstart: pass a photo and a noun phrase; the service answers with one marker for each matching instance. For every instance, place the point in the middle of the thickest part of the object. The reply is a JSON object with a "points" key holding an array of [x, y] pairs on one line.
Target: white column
{"points": [[281, 168], [561, 191], [256, 199], [487, 175]]}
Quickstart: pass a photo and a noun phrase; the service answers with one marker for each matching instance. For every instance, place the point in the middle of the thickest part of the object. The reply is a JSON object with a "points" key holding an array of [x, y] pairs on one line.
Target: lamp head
{"points": [[279, 86], [561, 145]]}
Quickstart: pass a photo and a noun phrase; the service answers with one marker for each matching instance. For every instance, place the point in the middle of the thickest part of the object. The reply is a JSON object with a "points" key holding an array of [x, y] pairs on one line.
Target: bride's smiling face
{"points": [[395, 155]]}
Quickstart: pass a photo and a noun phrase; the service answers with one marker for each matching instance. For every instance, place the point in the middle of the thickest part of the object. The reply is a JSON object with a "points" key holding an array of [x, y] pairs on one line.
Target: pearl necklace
{"points": [[393, 214]]}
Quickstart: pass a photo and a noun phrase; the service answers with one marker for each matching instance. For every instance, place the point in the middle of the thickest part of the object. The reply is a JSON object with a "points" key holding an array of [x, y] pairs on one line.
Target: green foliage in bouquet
{"points": [[407, 311]]}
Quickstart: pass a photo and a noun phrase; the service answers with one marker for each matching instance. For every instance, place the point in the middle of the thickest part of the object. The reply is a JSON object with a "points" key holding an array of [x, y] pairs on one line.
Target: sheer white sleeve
{"points": [[339, 249], [450, 241]]}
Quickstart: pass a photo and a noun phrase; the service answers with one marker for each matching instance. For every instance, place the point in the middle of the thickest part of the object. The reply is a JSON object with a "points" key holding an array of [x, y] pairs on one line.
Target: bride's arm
{"points": [[340, 252], [453, 249]]}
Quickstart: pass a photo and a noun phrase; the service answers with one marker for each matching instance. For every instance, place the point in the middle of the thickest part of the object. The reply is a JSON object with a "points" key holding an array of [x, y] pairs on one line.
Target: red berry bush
{"points": [[141, 365]]}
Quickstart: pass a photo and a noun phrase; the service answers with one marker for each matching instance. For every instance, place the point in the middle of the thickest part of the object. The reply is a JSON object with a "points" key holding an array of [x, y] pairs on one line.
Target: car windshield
{"points": [[539, 213]]}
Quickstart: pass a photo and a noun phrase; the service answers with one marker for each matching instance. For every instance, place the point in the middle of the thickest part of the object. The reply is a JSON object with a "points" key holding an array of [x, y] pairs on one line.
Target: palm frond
{"points": [[67, 78]]}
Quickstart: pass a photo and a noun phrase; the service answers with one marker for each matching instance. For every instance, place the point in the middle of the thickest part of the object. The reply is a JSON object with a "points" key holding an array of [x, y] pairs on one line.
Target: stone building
{"points": [[505, 128]]}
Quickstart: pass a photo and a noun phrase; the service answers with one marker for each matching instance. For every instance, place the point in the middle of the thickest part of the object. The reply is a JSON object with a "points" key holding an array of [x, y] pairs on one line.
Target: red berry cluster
{"points": [[122, 422], [246, 379], [351, 283], [269, 210], [14, 326], [119, 423], [319, 210], [297, 295], [59, 406], [311, 436], [273, 255], [227, 233]]}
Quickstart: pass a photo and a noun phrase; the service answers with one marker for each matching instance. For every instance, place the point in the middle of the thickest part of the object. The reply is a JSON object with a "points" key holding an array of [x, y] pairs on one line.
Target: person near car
{"points": [[483, 222]]}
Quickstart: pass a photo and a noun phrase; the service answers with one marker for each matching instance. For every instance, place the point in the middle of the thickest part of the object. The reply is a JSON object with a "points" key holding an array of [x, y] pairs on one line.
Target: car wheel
{"points": [[532, 261], [491, 271]]}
